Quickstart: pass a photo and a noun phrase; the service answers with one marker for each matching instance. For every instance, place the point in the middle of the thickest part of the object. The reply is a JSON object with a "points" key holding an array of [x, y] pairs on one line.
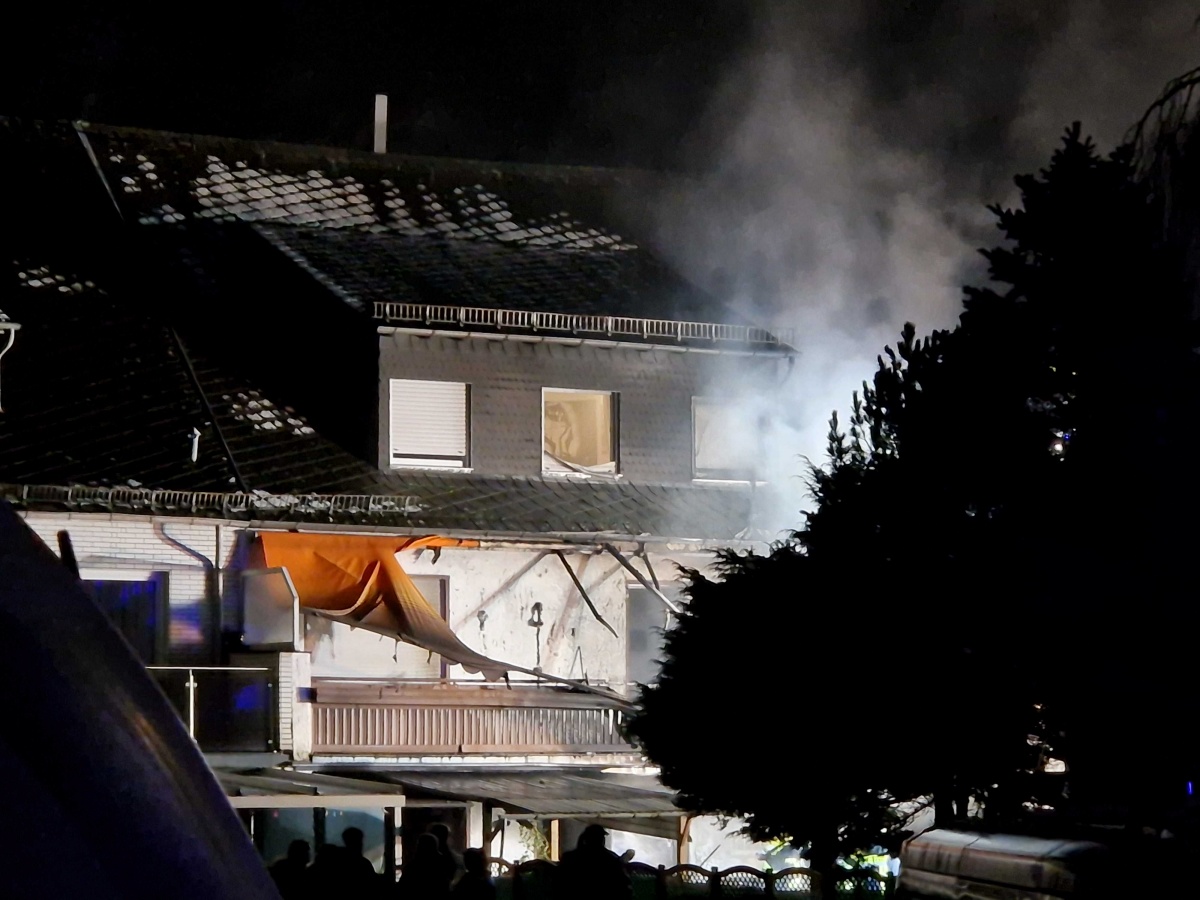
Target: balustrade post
{"points": [[191, 688], [660, 883], [714, 882], [768, 884]]}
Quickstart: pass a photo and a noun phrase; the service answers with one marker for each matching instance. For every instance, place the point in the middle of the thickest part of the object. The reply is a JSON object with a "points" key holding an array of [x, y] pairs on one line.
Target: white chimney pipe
{"points": [[381, 123]]}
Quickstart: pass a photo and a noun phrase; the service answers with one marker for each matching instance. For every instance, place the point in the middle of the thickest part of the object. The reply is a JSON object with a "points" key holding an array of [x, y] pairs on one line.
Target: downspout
{"points": [[211, 582]]}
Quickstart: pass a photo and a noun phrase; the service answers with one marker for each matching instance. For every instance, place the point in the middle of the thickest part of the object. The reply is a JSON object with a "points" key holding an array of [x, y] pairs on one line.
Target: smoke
{"points": [[841, 174]]}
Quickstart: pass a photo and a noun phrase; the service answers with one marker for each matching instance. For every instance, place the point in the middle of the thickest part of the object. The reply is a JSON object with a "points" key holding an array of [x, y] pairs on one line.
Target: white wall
{"points": [[492, 593], [112, 545], [492, 598]]}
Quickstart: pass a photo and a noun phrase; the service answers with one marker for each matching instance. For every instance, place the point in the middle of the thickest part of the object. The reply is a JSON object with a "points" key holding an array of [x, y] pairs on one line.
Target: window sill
{"points": [[401, 467], [583, 476], [741, 481]]}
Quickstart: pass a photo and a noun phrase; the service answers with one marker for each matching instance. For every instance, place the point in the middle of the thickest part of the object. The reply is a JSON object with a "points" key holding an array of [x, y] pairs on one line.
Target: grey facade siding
{"points": [[655, 389]]}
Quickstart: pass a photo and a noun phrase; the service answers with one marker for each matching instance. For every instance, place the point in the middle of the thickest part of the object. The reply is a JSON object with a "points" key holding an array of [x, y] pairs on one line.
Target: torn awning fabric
{"points": [[357, 580]]}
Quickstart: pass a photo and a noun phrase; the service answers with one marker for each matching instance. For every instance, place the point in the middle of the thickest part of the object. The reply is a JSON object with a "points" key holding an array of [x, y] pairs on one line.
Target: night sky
{"points": [[613, 83], [840, 156]]}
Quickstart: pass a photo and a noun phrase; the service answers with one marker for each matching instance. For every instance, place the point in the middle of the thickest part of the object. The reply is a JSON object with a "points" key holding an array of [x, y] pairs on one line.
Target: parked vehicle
{"points": [[960, 865]]}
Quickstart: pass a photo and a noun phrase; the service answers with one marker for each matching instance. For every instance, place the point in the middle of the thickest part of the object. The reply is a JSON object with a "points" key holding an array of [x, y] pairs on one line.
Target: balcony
{"points": [[227, 709], [391, 718]]}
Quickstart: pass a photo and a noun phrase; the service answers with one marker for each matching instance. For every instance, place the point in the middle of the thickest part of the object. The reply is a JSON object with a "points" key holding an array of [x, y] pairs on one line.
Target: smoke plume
{"points": [[842, 171]]}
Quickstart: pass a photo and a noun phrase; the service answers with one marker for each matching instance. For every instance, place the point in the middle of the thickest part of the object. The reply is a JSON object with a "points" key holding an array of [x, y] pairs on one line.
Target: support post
{"points": [[683, 840], [318, 828], [389, 844]]}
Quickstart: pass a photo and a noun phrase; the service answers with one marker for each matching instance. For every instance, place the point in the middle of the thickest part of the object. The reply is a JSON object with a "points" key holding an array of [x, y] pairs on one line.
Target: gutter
{"points": [[56, 498], [782, 350]]}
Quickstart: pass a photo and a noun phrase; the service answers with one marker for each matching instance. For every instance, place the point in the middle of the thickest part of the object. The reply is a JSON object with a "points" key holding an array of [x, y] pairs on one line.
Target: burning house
{"points": [[383, 466]]}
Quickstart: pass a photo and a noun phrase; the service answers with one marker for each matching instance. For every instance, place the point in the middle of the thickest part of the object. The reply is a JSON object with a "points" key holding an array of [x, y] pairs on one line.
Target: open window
{"points": [[723, 441], [430, 424], [579, 431]]}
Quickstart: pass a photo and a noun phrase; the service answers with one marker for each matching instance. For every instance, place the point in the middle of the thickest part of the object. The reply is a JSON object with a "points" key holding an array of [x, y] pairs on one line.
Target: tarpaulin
{"points": [[359, 581]]}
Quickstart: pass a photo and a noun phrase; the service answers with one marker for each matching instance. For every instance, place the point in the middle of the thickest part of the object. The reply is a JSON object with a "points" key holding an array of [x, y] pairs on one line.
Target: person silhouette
{"points": [[451, 860], [591, 871], [328, 869], [476, 882], [289, 873], [359, 870], [425, 875]]}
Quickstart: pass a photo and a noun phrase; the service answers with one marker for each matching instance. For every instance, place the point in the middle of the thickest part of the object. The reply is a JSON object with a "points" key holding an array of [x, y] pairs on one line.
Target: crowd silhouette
{"points": [[436, 871]]}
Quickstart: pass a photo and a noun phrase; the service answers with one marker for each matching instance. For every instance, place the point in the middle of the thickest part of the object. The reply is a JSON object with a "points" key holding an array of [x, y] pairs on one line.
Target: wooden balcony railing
{"points": [[397, 719]]}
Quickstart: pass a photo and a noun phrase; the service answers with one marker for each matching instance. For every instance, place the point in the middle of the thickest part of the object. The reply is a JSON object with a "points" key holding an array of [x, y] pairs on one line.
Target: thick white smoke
{"points": [[841, 202]]}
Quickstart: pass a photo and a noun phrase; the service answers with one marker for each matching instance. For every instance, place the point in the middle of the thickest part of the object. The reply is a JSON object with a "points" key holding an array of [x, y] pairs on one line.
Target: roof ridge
{"points": [[372, 159]]}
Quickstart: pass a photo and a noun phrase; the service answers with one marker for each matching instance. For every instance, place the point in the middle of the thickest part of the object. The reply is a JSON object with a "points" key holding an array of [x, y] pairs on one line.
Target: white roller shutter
{"points": [[429, 423]]}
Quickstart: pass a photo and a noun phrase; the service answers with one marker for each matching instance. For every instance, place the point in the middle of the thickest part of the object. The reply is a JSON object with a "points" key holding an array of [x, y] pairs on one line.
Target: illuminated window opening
{"points": [[579, 432], [722, 447]]}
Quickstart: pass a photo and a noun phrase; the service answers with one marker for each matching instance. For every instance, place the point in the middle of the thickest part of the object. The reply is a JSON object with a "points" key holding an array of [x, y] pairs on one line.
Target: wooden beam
{"points": [[619, 557], [316, 801], [683, 841], [583, 593]]}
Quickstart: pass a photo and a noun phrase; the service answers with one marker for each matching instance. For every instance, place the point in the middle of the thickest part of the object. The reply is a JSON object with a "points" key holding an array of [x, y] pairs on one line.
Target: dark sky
{"points": [[614, 82], [610, 83]]}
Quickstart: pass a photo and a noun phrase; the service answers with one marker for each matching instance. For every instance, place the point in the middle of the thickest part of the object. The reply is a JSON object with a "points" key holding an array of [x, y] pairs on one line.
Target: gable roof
{"points": [[388, 229], [117, 400]]}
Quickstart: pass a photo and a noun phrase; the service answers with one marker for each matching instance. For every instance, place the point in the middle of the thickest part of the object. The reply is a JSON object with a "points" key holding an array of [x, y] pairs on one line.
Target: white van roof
{"points": [[1041, 865]]}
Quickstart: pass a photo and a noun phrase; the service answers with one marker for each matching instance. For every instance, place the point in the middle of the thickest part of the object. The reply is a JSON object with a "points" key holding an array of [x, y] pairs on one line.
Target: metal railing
{"points": [[578, 323], [232, 504], [392, 729], [235, 711], [535, 879]]}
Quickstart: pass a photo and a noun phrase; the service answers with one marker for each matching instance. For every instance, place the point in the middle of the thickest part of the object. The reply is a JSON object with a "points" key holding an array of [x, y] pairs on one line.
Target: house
{"points": [[385, 466]]}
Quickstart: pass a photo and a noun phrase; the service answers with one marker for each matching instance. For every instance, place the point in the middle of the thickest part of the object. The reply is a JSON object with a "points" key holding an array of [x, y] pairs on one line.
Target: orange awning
{"points": [[357, 580]]}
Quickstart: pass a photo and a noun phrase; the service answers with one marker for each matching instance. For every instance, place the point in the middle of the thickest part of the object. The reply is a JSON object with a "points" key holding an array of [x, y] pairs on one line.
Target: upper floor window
{"points": [[579, 431], [430, 423], [723, 443]]}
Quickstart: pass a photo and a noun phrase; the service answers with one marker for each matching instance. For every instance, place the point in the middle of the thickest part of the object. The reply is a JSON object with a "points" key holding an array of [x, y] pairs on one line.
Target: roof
{"points": [[367, 267], [167, 408], [631, 803], [549, 794], [498, 508], [387, 228]]}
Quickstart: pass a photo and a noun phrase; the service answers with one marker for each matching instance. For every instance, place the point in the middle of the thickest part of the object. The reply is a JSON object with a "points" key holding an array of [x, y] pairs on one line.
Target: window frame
{"points": [[442, 607], [741, 476], [614, 405], [162, 599], [431, 462]]}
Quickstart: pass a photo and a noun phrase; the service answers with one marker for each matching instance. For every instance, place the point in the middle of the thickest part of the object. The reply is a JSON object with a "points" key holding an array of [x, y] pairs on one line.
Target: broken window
{"points": [[579, 431], [723, 442], [430, 424]]}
